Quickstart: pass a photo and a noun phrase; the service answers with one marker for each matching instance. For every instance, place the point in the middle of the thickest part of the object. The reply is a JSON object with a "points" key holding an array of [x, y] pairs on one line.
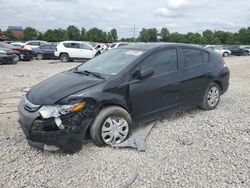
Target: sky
{"points": [[177, 15]]}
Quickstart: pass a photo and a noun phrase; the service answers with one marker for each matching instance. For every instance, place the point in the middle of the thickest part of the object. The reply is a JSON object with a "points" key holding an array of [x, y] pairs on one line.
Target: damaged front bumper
{"points": [[45, 134]]}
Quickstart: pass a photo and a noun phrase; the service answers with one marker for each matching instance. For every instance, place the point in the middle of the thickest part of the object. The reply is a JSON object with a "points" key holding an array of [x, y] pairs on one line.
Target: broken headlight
{"points": [[48, 111]]}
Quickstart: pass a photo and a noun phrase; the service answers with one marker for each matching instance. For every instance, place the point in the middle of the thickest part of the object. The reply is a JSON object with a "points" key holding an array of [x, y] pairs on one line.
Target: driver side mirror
{"points": [[143, 74]]}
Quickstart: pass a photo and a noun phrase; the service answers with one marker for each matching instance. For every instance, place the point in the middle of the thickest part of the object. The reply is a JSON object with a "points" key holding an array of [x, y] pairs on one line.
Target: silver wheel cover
{"points": [[213, 96], [114, 130]]}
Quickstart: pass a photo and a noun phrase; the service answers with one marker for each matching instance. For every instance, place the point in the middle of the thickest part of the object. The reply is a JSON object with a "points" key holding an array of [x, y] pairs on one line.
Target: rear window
{"points": [[192, 57]]}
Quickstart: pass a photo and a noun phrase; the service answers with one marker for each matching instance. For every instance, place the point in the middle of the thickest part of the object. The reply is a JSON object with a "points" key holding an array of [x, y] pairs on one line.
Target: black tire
{"points": [[39, 56], [225, 54], [104, 114], [64, 57], [245, 53], [17, 58], [205, 103]]}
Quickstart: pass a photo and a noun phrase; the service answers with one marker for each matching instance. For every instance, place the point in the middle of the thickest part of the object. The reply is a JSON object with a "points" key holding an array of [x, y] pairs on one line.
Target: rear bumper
{"points": [[224, 79], [44, 133]]}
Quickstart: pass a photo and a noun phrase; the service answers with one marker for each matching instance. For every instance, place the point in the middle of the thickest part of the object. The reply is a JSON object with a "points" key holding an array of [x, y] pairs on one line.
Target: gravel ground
{"points": [[193, 148]]}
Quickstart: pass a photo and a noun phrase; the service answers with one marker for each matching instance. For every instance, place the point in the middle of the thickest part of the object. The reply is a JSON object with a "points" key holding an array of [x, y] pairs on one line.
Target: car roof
{"points": [[72, 41], [150, 46]]}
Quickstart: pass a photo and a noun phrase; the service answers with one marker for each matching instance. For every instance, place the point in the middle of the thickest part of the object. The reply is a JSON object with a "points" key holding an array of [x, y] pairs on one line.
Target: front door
{"points": [[161, 91]]}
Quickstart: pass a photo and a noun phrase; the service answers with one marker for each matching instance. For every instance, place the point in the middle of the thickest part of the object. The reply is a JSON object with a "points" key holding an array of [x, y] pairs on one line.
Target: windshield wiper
{"points": [[85, 72], [96, 74]]}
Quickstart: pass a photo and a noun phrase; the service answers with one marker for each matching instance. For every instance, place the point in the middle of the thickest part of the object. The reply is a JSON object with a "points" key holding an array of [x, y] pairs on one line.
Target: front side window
{"points": [[192, 57], [85, 47], [162, 61], [111, 62]]}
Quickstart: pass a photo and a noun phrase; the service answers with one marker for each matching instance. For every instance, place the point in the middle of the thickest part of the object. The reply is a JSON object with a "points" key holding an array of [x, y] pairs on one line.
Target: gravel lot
{"points": [[194, 148]]}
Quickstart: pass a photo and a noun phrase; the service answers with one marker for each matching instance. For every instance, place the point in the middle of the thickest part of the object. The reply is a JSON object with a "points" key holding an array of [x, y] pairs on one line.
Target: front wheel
{"points": [[111, 126], [17, 58], [211, 97]]}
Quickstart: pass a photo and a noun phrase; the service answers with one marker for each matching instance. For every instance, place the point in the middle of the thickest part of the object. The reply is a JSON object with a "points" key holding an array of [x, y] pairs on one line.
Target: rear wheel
{"points": [[111, 126], [211, 97], [39, 56], [245, 53], [225, 54], [64, 57]]}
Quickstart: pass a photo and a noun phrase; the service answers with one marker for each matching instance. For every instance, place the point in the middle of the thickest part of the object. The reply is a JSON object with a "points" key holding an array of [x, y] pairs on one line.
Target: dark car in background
{"points": [[45, 52], [236, 50], [107, 96], [21, 53], [7, 56]]}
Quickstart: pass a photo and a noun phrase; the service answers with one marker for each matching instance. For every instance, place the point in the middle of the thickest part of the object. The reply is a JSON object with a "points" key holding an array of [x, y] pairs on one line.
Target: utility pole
{"points": [[134, 33]]}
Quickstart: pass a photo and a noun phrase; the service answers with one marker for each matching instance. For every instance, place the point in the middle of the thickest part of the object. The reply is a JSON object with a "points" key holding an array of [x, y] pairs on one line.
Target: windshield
{"points": [[111, 62]]}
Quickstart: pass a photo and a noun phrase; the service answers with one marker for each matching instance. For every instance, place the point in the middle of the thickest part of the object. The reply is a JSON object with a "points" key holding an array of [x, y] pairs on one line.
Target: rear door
{"points": [[73, 49], [161, 91], [195, 74], [48, 51]]}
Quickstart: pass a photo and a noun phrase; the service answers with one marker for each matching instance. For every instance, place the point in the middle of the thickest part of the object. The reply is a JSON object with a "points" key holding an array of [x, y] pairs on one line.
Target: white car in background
{"points": [[17, 44], [29, 45], [117, 44], [73, 50], [247, 48], [223, 52]]}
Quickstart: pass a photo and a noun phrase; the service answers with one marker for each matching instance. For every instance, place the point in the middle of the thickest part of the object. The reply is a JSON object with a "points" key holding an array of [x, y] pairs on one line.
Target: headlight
{"points": [[2, 52], [47, 111]]}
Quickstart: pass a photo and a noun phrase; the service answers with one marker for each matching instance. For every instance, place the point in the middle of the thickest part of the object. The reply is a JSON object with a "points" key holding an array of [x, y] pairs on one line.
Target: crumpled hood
{"points": [[59, 86]]}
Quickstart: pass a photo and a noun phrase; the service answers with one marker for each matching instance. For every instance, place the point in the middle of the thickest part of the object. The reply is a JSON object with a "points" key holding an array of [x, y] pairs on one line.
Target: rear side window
{"points": [[71, 45], [162, 61], [192, 57], [85, 47], [33, 43]]}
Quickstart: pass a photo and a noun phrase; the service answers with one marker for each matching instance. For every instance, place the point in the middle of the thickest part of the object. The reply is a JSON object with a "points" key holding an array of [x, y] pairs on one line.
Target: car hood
{"points": [[60, 86]]}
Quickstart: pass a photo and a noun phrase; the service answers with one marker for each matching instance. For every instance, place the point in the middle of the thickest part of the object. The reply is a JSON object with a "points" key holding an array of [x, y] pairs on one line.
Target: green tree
{"points": [[73, 33], [83, 34], [195, 38], [30, 33], [8, 33], [244, 35], [208, 36], [113, 33], [165, 34], [96, 35], [148, 35], [49, 35], [215, 40], [177, 37]]}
